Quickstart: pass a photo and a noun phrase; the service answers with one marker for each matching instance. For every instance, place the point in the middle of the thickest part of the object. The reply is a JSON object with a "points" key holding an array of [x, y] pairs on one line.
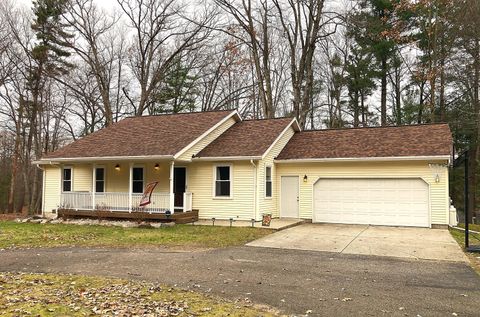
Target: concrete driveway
{"points": [[415, 243]]}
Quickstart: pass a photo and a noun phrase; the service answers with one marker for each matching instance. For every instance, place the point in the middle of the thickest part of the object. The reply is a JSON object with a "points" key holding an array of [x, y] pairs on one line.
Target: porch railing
{"points": [[113, 201]]}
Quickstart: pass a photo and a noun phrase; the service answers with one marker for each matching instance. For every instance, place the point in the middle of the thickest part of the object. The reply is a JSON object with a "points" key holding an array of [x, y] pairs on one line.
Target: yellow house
{"points": [[226, 167]]}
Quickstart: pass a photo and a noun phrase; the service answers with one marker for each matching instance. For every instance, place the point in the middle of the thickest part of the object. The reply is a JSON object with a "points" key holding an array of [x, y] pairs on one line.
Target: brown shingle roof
{"points": [[143, 136], [416, 140], [246, 138]]}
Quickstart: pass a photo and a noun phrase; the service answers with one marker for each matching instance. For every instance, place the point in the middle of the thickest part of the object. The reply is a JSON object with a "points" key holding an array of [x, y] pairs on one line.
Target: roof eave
{"points": [[226, 158], [233, 114], [295, 126], [47, 161], [366, 159]]}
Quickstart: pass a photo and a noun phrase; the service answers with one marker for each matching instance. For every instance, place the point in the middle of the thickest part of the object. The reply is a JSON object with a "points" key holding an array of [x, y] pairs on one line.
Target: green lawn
{"points": [[72, 295], [23, 235], [474, 240], [460, 235]]}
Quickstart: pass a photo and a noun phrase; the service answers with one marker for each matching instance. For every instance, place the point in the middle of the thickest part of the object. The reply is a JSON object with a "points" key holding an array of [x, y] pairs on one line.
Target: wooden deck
{"points": [[178, 217]]}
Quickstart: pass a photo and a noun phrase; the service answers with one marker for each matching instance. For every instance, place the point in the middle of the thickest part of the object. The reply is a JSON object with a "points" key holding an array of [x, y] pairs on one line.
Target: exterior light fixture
{"points": [[157, 167], [436, 170], [305, 178], [117, 167]]}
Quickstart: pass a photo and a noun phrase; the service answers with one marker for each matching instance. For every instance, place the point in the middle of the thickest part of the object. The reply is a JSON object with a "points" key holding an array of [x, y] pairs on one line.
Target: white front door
{"points": [[376, 201], [289, 197]]}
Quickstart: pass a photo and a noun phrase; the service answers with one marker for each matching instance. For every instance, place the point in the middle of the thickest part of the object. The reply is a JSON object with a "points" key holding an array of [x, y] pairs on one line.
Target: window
{"points": [[67, 179], [137, 182], [222, 181], [268, 181], [99, 180]]}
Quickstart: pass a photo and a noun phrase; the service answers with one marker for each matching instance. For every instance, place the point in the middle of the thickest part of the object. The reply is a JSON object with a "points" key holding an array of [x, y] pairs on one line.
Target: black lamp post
{"points": [[466, 199]]}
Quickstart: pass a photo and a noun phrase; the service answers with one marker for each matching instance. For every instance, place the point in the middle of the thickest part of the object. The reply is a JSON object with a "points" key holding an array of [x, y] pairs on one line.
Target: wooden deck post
{"points": [[94, 175], [172, 195], [130, 188]]}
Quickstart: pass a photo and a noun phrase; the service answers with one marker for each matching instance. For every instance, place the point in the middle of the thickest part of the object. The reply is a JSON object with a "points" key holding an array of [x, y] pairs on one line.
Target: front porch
{"points": [[118, 187], [118, 201]]}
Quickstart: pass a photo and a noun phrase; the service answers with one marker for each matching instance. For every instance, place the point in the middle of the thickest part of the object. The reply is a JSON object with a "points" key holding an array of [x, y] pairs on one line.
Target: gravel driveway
{"points": [[295, 281]]}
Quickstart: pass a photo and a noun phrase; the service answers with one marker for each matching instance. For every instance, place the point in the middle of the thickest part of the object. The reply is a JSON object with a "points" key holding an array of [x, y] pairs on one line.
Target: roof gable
{"points": [[401, 141], [249, 138], [160, 135]]}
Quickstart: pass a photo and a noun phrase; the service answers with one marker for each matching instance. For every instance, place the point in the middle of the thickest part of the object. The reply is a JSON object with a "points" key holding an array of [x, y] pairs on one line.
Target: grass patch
{"points": [[73, 295], [471, 226], [459, 236], [30, 235]]}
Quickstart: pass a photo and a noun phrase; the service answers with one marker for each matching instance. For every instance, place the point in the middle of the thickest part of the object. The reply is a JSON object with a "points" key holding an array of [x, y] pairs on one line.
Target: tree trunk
{"points": [[364, 111], [476, 106], [13, 179], [383, 98], [356, 109], [398, 96], [421, 103]]}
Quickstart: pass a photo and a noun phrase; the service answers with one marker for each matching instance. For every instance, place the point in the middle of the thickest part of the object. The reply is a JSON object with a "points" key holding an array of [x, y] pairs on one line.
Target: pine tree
{"points": [[178, 92], [374, 31], [49, 58], [51, 51], [360, 70]]}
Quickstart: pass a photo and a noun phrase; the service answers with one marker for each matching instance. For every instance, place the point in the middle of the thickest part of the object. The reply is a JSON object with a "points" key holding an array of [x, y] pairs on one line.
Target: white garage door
{"points": [[394, 202]]}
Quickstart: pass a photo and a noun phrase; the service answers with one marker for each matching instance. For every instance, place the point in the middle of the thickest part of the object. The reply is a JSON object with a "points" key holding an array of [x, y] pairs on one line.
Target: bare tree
{"points": [[255, 24], [100, 44], [162, 33], [301, 25]]}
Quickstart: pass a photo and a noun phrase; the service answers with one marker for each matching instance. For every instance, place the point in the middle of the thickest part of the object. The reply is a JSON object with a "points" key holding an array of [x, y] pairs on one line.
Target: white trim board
{"points": [[296, 128], [225, 119], [104, 158], [366, 159], [227, 158]]}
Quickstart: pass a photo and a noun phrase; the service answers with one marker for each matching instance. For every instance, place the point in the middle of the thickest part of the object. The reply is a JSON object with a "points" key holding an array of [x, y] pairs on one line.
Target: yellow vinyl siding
{"points": [[118, 181], [405, 169], [187, 156], [269, 205], [52, 188], [240, 206], [82, 177]]}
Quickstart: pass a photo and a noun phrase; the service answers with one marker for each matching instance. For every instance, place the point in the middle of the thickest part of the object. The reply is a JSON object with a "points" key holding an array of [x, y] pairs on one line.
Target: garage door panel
{"points": [[400, 202]]}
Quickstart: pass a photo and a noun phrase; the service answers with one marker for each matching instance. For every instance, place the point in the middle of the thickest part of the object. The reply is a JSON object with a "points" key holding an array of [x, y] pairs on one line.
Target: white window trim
{"points": [[214, 193], [71, 178], [104, 179], [143, 177], [265, 182]]}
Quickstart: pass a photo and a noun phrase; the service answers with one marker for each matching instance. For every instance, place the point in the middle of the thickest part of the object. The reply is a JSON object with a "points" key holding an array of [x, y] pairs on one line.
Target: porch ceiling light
{"points": [[117, 167], [305, 178], [157, 167]]}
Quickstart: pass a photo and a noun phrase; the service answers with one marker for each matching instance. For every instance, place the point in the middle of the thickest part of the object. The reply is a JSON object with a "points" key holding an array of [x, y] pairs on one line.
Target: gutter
{"points": [[227, 158], [366, 159], [103, 158]]}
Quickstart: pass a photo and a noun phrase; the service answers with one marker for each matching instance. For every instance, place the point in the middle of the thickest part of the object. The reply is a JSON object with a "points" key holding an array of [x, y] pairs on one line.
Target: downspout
{"points": [[171, 194], [254, 189], [94, 181]]}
